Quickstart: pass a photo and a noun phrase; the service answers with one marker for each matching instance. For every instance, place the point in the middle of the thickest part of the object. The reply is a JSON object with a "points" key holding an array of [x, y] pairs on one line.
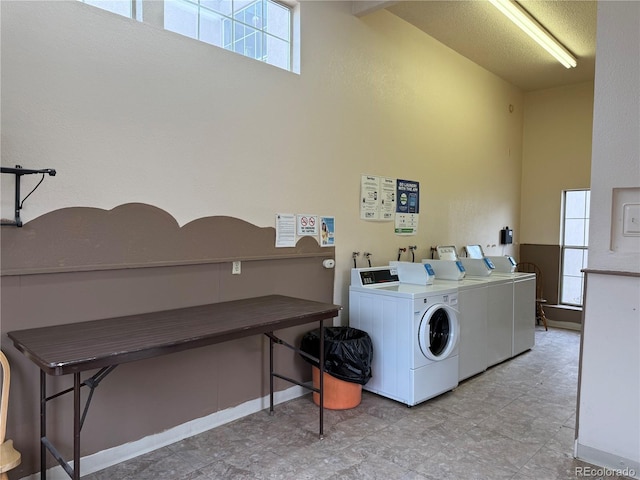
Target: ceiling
{"points": [[478, 31]]}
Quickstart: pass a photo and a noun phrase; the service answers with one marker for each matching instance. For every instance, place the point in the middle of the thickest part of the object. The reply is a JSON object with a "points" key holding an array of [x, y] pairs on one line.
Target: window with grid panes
{"points": [[259, 29], [575, 242]]}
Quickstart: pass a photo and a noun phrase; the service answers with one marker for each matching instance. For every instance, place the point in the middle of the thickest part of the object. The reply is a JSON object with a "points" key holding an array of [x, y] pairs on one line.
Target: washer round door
{"points": [[438, 332]]}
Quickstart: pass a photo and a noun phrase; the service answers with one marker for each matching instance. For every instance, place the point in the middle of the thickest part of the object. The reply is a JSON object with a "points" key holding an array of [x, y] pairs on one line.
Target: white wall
{"points": [[127, 112], [616, 129], [609, 405], [609, 396]]}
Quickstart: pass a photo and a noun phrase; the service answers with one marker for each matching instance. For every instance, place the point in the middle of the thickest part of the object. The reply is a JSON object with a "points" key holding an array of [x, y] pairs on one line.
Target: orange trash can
{"points": [[338, 394]]}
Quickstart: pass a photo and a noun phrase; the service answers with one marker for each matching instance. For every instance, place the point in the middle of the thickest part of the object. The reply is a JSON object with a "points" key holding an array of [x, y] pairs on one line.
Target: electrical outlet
{"points": [[236, 268]]}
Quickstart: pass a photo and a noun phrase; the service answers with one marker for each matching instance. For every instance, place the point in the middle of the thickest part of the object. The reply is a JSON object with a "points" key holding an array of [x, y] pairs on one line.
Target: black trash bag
{"points": [[347, 352]]}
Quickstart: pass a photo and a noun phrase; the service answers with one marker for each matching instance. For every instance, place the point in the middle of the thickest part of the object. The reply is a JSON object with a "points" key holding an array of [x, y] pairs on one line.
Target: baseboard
{"points": [[112, 456], [608, 464], [565, 325]]}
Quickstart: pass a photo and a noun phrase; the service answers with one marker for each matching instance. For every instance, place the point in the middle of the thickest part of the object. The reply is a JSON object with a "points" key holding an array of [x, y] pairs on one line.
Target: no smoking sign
{"points": [[307, 224]]}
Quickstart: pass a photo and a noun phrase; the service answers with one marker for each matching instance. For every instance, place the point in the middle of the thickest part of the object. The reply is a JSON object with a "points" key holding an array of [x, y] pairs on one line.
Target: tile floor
{"points": [[515, 421]]}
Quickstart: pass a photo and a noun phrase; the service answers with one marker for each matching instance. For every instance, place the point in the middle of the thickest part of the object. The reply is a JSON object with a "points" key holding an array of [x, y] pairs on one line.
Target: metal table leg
{"points": [[78, 420], [320, 390], [76, 426], [43, 425], [270, 373], [321, 383]]}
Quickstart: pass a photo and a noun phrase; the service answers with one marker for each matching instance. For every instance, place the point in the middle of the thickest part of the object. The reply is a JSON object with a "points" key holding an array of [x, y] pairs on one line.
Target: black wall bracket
{"points": [[18, 171]]}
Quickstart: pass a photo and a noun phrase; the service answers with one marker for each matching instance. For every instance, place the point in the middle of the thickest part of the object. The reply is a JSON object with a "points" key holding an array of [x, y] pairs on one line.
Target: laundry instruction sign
{"points": [[388, 199], [407, 207], [408, 196], [377, 198]]}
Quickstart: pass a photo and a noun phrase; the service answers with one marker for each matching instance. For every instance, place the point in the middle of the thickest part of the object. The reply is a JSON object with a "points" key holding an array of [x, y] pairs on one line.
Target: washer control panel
{"points": [[374, 276]]}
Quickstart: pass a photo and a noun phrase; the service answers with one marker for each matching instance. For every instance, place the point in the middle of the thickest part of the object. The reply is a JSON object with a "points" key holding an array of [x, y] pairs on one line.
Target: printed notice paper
{"points": [[377, 198], [285, 230]]}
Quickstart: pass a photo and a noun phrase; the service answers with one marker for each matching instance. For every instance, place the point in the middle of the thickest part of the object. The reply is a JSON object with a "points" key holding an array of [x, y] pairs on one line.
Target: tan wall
{"points": [[130, 113], [127, 112], [556, 156]]}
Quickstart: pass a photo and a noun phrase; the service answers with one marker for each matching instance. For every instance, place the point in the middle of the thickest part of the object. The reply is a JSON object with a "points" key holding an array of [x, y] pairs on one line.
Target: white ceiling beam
{"points": [[361, 8]]}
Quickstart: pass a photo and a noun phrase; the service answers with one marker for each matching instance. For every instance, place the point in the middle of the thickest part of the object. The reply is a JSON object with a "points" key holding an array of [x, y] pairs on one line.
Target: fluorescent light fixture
{"points": [[518, 15]]}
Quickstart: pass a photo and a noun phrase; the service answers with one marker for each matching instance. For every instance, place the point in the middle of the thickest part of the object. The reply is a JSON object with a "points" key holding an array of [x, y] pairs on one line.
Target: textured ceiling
{"points": [[478, 31]]}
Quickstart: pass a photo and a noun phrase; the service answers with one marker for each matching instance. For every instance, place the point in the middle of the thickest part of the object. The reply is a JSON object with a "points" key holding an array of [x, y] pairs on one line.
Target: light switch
{"points": [[631, 219], [625, 220]]}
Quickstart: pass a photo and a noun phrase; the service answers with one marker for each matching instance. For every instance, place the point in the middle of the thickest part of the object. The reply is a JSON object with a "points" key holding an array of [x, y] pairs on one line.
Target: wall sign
{"points": [[387, 199], [377, 198], [285, 230], [307, 225], [327, 231], [408, 207], [290, 227]]}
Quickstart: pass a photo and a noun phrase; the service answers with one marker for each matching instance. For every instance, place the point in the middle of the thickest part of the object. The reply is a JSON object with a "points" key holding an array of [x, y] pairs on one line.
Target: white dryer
{"points": [[414, 330]]}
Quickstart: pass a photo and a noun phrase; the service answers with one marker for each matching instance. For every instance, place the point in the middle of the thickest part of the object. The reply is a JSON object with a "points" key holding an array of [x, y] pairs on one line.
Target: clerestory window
{"points": [[259, 29]]}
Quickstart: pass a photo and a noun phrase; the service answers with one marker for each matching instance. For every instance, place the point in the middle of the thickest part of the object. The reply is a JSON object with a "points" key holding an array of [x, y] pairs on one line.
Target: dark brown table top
{"points": [[76, 347]]}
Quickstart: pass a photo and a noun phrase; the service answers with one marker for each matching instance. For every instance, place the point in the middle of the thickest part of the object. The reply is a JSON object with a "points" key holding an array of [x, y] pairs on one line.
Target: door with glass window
{"points": [[438, 333]]}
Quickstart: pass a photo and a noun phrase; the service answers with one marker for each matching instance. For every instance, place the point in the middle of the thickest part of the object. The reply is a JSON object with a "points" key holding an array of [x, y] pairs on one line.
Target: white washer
{"points": [[473, 297], [414, 330], [497, 341], [524, 301], [499, 319], [524, 312], [500, 310], [524, 309]]}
